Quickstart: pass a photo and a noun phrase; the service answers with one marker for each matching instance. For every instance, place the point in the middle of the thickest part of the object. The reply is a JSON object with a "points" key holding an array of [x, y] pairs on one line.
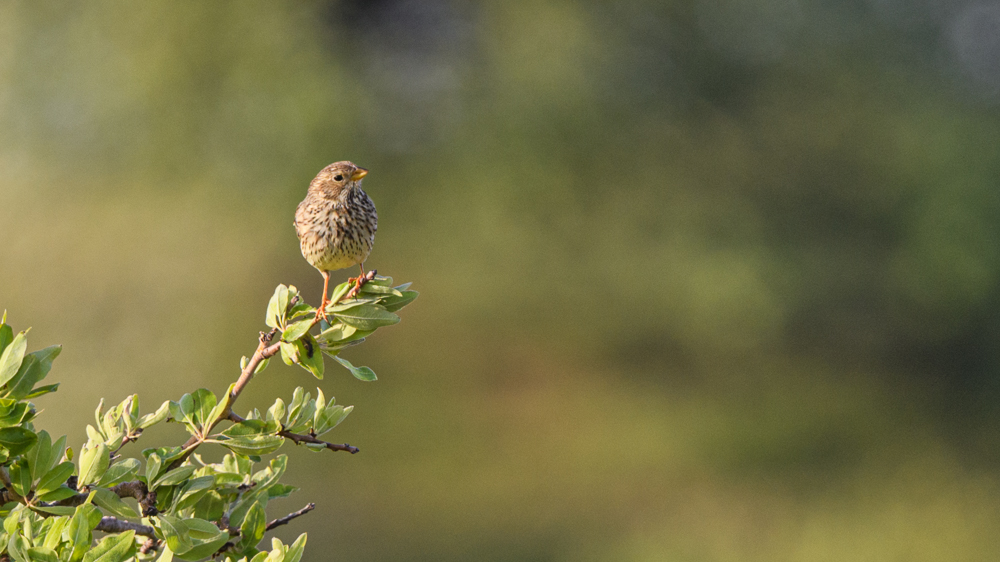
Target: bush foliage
{"points": [[169, 502]]}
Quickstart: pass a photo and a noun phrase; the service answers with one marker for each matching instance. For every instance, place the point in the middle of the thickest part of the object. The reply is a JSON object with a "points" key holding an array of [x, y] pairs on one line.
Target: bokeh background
{"points": [[701, 280]]}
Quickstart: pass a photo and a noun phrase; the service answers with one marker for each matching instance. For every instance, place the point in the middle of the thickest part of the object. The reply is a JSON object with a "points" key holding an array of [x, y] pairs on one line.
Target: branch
{"points": [[264, 351], [112, 525], [299, 438], [133, 436], [284, 520], [135, 489]]}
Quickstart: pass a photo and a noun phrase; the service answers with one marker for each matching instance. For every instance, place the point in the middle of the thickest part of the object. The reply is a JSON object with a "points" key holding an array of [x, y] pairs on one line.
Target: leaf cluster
{"points": [[169, 502], [354, 320]]}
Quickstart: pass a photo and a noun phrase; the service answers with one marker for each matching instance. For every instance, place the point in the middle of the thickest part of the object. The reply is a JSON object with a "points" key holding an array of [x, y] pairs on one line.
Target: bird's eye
{"points": [[338, 177]]}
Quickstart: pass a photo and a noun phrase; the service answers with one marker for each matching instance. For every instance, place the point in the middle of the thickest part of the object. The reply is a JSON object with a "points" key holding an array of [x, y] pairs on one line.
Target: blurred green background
{"points": [[701, 280]]}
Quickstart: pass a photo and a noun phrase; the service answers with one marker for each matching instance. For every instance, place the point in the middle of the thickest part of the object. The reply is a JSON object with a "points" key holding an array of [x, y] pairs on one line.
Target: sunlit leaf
{"points": [[114, 505], [361, 373], [367, 317], [13, 354], [113, 548]]}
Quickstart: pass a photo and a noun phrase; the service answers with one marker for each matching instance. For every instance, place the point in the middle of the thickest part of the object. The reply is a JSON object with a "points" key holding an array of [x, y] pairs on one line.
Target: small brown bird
{"points": [[336, 223]]}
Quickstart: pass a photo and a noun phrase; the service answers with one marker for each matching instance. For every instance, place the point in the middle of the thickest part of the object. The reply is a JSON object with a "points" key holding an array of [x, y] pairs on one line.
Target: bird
{"points": [[336, 224]]}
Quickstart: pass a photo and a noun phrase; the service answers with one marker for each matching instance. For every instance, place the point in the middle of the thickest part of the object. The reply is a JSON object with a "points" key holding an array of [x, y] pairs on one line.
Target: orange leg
{"points": [[321, 311]]}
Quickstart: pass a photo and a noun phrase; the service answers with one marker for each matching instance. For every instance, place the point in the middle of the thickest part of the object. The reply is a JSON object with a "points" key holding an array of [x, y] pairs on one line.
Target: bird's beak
{"points": [[358, 174]]}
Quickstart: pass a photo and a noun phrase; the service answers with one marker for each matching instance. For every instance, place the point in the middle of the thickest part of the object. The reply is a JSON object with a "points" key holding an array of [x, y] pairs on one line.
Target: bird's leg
{"points": [[321, 311]]}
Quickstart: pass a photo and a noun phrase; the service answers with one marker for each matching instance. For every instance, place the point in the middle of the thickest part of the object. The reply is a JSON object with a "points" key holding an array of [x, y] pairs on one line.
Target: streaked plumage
{"points": [[336, 222]]}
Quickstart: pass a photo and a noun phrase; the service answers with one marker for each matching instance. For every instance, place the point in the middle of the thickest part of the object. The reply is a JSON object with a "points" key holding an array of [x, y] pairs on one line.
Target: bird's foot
{"points": [[359, 282], [321, 312]]}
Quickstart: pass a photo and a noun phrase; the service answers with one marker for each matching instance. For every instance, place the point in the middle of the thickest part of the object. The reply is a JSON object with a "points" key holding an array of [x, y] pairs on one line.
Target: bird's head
{"points": [[337, 179]]}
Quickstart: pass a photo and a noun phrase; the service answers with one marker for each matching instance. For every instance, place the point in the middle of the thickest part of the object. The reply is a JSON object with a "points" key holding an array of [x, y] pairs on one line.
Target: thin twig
{"points": [[126, 440], [149, 546], [299, 438], [284, 520]]}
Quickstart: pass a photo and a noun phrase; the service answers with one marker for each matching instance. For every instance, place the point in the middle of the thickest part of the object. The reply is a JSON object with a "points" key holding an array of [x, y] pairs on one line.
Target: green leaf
{"points": [[289, 353], [310, 356], [374, 289], [130, 411], [184, 410], [352, 303], [42, 390], [280, 491], [113, 548], [166, 555], [13, 354], [40, 456], [219, 409], [204, 403], [337, 332], [17, 439], [80, 527], [55, 509], [276, 307], [252, 444], [339, 291], [360, 373], [270, 475], [251, 428], [60, 493], [299, 398], [152, 419], [120, 472], [211, 506], [12, 412], [55, 477], [261, 366], [153, 463], [28, 375], [330, 418], [367, 317], [205, 537], [296, 330], [294, 553], [54, 534], [114, 505], [176, 476], [42, 554], [175, 533], [392, 304], [192, 491], [94, 461], [20, 477], [6, 333], [17, 547], [252, 529], [277, 411]]}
